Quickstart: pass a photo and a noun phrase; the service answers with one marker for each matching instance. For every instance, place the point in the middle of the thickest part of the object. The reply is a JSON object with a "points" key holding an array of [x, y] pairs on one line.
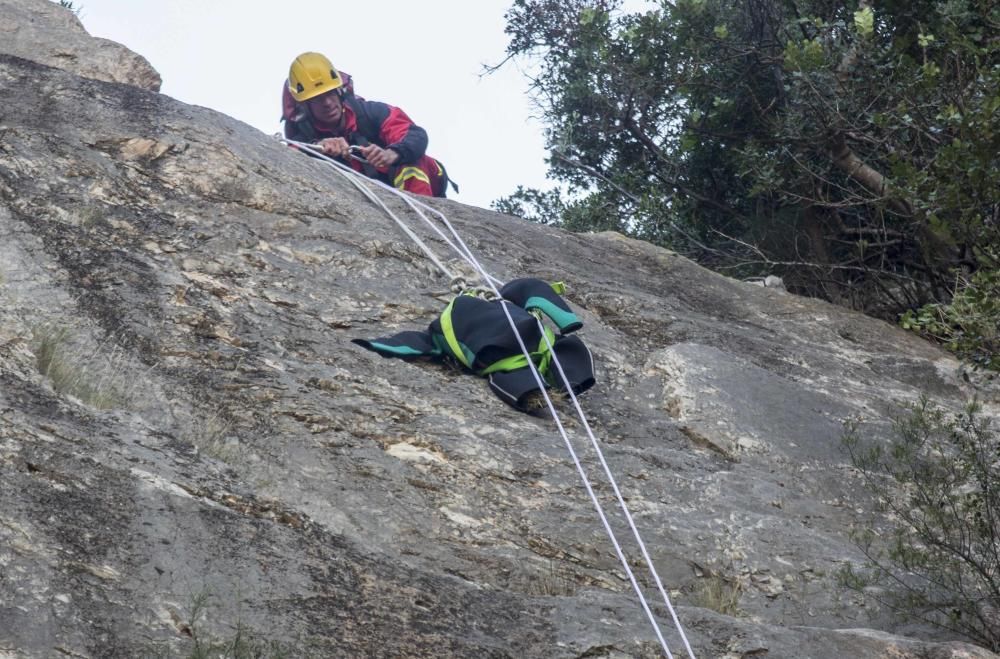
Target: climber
{"points": [[319, 106], [476, 333]]}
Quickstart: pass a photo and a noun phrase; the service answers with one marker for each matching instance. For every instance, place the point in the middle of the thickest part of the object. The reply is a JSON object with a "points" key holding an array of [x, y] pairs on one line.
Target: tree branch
{"points": [[640, 135], [871, 179]]}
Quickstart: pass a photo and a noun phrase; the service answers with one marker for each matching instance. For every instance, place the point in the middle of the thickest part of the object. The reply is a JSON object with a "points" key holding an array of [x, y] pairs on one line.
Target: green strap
{"points": [[448, 329], [511, 363], [544, 353], [542, 358]]}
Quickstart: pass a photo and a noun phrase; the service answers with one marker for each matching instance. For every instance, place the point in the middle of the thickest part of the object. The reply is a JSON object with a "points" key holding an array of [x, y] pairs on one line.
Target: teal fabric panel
{"points": [[560, 317]]}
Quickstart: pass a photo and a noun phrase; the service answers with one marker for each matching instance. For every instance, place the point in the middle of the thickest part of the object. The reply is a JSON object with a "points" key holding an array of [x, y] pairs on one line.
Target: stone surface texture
{"points": [[217, 460], [42, 31]]}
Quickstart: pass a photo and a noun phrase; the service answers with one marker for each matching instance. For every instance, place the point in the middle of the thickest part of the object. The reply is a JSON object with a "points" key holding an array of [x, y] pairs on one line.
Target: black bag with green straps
{"points": [[477, 334]]}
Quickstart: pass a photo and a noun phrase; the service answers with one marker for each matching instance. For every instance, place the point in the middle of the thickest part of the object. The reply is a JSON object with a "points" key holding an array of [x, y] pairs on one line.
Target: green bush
{"points": [[938, 558], [970, 325]]}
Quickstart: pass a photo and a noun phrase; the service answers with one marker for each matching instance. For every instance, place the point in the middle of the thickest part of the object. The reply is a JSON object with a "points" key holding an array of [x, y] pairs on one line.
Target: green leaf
{"points": [[864, 21], [689, 142], [721, 31]]}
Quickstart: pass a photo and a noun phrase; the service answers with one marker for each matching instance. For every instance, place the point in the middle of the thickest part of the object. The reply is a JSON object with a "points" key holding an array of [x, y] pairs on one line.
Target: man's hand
{"points": [[379, 158], [335, 147]]}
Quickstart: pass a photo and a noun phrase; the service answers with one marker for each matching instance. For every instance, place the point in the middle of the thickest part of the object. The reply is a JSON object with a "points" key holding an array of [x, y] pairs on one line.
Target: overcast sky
{"points": [[426, 57]]}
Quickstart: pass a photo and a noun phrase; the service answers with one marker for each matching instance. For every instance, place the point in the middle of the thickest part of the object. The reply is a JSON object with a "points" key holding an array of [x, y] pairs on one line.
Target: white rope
{"points": [[356, 180], [464, 252], [621, 501], [600, 454], [586, 481], [415, 205]]}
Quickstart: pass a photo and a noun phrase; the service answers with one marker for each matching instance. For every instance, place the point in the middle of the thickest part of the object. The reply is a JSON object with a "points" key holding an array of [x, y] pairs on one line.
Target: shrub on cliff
{"points": [[969, 325], [937, 559]]}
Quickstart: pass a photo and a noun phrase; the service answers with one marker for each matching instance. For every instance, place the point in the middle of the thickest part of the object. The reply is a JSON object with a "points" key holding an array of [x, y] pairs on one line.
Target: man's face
{"points": [[327, 108]]}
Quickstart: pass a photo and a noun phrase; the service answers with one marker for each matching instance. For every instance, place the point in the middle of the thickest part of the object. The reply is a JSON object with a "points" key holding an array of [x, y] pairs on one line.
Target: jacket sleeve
{"points": [[406, 344], [532, 294], [399, 133]]}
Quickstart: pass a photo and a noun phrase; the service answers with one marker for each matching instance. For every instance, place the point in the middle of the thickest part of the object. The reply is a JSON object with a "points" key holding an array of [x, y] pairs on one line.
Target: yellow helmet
{"points": [[310, 75]]}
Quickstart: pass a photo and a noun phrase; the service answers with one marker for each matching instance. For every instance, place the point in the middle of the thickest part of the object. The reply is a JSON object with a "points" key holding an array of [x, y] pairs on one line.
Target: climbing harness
{"points": [[490, 284]]}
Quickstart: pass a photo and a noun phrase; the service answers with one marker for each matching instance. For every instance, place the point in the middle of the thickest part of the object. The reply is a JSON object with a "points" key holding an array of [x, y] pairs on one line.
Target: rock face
{"points": [[42, 31], [193, 453]]}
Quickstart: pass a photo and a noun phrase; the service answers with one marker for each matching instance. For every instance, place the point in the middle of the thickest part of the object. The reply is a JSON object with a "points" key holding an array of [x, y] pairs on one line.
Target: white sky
{"points": [[425, 56]]}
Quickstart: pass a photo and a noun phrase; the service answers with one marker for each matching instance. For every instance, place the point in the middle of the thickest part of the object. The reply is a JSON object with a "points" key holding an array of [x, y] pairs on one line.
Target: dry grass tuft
{"points": [[719, 594], [96, 378]]}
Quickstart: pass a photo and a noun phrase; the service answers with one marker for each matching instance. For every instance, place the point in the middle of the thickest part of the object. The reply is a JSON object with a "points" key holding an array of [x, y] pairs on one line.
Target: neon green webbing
{"points": [[448, 329], [542, 358], [511, 363], [543, 353]]}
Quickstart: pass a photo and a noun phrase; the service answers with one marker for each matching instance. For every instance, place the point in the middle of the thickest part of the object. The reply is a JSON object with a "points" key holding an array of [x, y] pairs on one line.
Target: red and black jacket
{"points": [[365, 122], [369, 122]]}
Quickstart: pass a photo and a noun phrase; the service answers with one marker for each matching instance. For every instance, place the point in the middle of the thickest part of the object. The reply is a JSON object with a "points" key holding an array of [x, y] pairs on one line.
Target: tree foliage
{"points": [[939, 559], [969, 325], [851, 148]]}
